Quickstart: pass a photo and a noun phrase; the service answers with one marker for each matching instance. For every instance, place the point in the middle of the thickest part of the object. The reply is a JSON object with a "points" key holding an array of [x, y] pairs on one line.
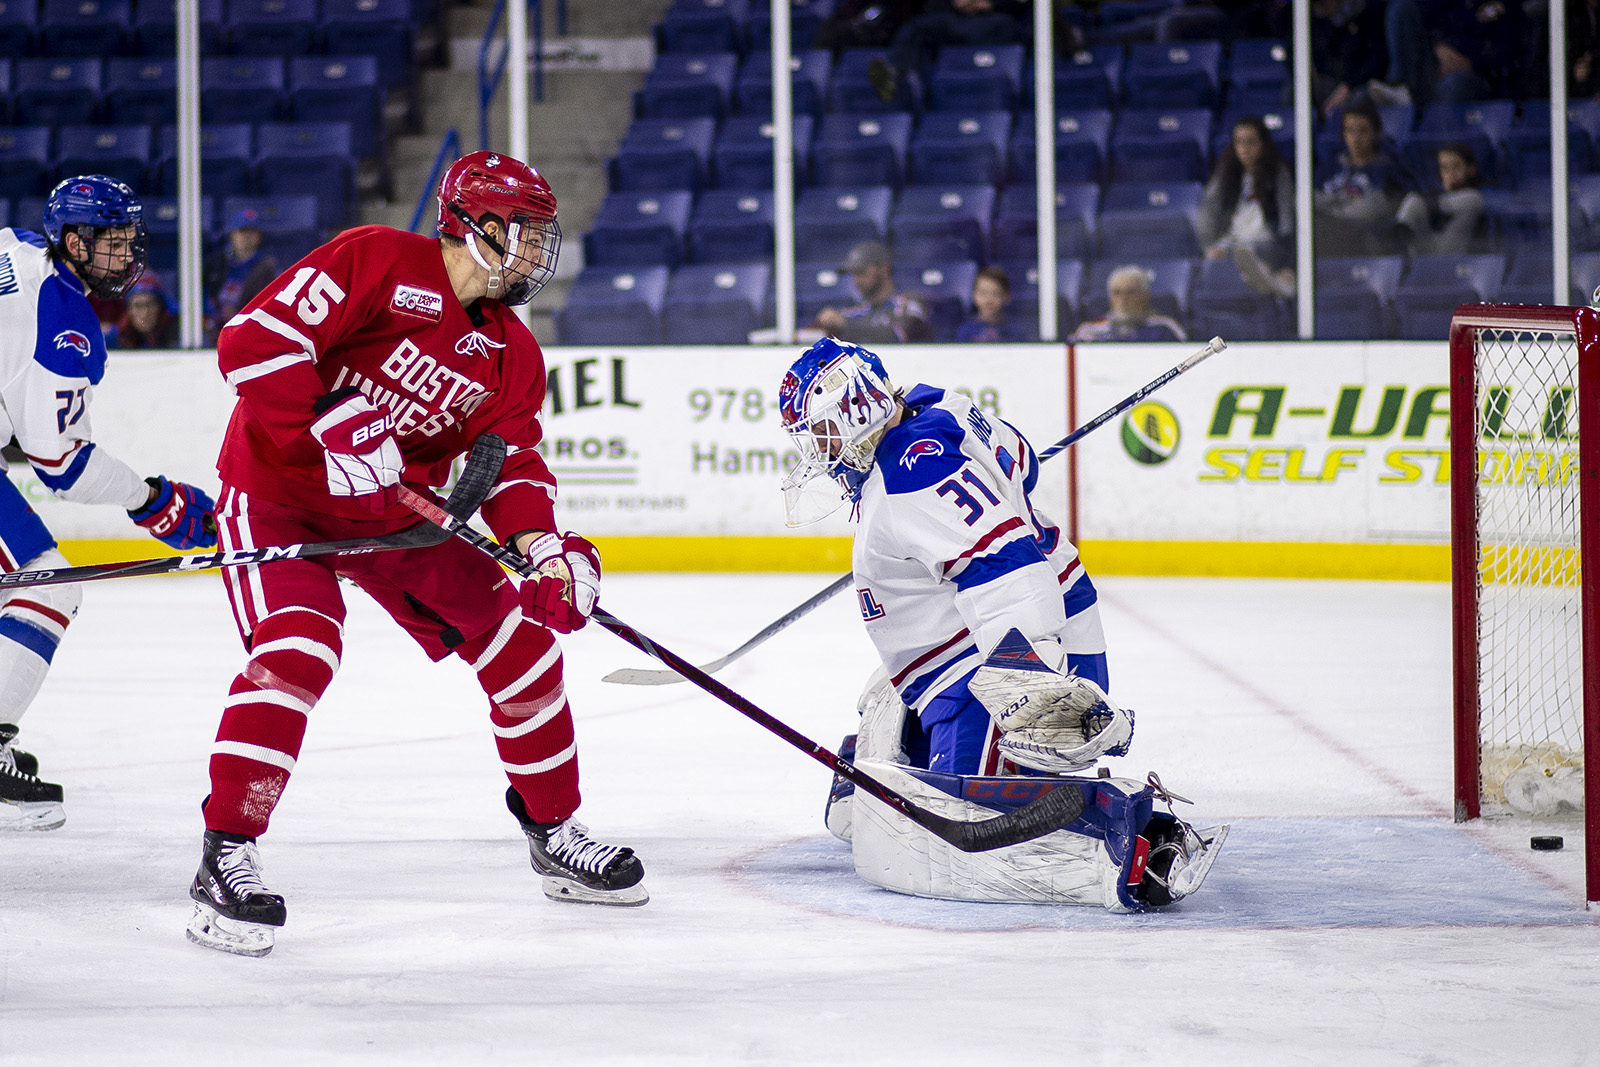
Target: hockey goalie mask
{"points": [[836, 402], [485, 184]]}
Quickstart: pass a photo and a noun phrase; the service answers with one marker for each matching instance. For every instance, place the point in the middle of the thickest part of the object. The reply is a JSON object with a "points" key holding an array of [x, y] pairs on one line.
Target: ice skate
{"points": [[575, 867], [233, 911], [836, 816], [26, 803]]}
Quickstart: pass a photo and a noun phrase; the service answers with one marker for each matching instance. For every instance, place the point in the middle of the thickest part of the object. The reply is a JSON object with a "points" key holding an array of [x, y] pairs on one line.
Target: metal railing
{"points": [[449, 151], [491, 72]]}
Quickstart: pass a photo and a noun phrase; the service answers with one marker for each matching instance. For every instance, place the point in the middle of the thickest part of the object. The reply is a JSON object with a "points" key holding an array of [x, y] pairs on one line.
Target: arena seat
{"points": [[732, 226], [25, 167], [805, 16], [1083, 146], [977, 78], [227, 159], [381, 29], [861, 150], [945, 289], [1161, 145], [95, 28], [1435, 286], [809, 83], [716, 304], [663, 154], [155, 28], [961, 147], [340, 89], [309, 159], [742, 154], [613, 306], [1178, 74], [1354, 297], [639, 230], [685, 85], [852, 93], [242, 89], [1149, 220], [828, 222], [272, 27], [702, 26], [143, 91], [120, 152], [940, 223], [56, 92], [1091, 78], [1225, 305], [1016, 223]]}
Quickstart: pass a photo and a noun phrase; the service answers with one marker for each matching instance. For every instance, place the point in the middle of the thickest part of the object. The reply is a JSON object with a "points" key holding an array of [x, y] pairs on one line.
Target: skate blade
{"points": [[1187, 880], [568, 891], [210, 930], [31, 815]]}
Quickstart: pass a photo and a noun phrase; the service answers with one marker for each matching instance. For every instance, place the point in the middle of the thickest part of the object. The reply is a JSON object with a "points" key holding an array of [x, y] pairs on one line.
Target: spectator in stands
{"points": [[864, 23], [1348, 49], [1482, 48], [1131, 318], [1247, 211], [1583, 50], [991, 295], [945, 22], [1359, 192], [1449, 222], [884, 314], [151, 320], [246, 269]]}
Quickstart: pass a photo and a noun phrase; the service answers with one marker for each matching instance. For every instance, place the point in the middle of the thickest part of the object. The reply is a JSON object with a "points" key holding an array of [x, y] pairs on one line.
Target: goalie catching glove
{"points": [[179, 515], [564, 594], [1050, 721], [358, 445]]}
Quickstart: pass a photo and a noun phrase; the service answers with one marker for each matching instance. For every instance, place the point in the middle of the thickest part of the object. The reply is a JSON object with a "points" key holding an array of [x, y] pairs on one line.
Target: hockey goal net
{"points": [[1525, 521]]}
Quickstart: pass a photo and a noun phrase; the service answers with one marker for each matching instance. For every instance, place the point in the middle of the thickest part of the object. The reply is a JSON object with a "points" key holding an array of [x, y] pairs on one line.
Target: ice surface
{"points": [[1348, 921]]}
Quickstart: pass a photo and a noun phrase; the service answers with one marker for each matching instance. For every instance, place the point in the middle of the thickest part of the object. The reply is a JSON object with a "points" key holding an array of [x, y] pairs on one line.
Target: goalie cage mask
{"points": [[484, 185], [836, 402]]}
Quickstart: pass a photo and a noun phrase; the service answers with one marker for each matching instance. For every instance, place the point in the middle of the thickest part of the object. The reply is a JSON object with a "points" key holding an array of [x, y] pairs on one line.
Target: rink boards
{"points": [[1315, 459]]}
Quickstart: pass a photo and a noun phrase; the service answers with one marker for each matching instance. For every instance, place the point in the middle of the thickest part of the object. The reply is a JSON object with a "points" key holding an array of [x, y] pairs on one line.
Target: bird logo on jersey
{"points": [[74, 340], [475, 344], [926, 446]]}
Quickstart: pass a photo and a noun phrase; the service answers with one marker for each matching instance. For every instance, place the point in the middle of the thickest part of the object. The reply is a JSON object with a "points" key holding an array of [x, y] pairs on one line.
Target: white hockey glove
{"points": [[359, 447], [1049, 721], [563, 596]]}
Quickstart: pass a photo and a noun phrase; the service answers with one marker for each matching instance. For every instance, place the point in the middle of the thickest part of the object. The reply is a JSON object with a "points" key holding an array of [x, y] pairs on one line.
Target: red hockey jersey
{"points": [[374, 308]]}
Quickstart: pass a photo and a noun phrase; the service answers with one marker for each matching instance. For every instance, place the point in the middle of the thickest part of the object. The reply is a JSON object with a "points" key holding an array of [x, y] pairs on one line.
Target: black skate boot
{"points": [[575, 867], [26, 803], [233, 911], [841, 795]]}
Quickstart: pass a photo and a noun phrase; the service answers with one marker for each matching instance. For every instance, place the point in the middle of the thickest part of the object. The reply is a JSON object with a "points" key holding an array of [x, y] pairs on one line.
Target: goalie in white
{"points": [[981, 612]]}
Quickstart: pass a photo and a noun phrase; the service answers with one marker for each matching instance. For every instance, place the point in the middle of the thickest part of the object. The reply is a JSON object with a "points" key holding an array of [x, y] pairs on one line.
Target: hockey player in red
{"points": [[377, 360]]}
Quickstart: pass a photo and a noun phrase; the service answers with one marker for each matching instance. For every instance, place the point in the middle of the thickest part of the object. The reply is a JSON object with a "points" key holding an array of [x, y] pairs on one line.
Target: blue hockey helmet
{"points": [[836, 402], [89, 206]]}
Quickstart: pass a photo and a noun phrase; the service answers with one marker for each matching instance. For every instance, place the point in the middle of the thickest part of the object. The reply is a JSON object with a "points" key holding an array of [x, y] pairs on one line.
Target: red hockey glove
{"points": [[563, 596], [358, 445], [181, 516]]}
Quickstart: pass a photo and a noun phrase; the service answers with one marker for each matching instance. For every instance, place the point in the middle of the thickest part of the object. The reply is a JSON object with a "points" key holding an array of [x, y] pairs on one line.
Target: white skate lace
{"points": [[239, 864], [9, 768], [571, 844]]}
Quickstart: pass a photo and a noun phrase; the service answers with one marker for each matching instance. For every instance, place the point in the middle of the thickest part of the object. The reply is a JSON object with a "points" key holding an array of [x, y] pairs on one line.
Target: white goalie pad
{"points": [[880, 736]]}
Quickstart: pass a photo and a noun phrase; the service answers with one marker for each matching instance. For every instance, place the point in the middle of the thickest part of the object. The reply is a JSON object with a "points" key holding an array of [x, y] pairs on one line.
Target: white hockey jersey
{"points": [[52, 355], [950, 553]]}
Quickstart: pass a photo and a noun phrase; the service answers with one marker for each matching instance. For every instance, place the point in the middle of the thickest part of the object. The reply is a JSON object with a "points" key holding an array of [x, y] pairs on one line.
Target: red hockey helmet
{"points": [[482, 185]]}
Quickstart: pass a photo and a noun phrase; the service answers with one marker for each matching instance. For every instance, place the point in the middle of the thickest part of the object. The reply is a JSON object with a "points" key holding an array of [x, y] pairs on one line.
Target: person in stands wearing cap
{"points": [[151, 320], [245, 270], [884, 314]]}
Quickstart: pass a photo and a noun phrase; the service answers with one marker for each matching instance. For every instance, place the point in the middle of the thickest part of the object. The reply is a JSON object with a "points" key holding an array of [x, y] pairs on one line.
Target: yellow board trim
{"points": [[1219, 559]]}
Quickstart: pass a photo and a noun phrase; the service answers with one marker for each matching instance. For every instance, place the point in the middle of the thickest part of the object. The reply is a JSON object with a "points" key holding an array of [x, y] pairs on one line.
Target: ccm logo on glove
{"points": [[179, 516]]}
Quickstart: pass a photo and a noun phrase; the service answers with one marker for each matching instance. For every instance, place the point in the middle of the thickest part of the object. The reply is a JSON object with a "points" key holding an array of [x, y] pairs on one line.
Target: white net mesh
{"points": [[1530, 650]]}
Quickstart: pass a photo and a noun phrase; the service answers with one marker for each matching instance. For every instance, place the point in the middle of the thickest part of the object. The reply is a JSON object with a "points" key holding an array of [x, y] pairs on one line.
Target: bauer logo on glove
{"points": [[563, 596]]}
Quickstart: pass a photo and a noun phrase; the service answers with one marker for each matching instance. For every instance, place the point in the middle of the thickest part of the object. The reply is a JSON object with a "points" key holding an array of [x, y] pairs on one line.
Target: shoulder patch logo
{"points": [[74, 340], [925, 446], [423, 303], [475, 344]]}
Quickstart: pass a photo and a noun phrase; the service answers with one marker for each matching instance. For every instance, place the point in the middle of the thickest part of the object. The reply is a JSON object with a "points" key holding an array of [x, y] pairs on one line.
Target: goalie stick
{"points": [[482, 470], [637, 676], [1051, 812]]}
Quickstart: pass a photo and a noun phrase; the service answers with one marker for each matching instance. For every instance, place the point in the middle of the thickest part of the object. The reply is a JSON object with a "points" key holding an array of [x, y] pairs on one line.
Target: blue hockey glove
{"points": [[181, 516]]}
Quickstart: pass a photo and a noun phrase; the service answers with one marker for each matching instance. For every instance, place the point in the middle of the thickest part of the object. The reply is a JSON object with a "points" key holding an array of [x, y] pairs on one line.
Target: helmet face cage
{"points": [[835, 402], [109, 221], [487, 184]]}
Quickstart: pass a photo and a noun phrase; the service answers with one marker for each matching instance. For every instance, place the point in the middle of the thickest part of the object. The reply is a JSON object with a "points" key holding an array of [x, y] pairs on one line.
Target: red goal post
{"points": [[1524, 518]]}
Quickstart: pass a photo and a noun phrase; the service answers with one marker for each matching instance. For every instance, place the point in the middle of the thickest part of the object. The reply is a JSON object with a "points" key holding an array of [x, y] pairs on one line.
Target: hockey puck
{"points": [[1546, 843]]}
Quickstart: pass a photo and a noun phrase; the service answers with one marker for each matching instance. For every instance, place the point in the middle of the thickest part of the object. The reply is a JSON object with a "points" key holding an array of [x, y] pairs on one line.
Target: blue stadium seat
{"points": [[1180, 74], [852, 92], [1130, 20], [732, 226], [1525, 148], [1149, 220], [5, 88], [242, 89], [28, 213], [716, 305], [1257, 70], [227, 159], [937, 223], [663, 154], [853, 149], [19, 27], [805, 16], [686, 85], [1157, 145], [1354, 297], [381, 29], [25, 168], [614, 306], [161, 220], [309, 159], [5, 212], [1083, 146], [638, 230], [95, 28], [155, 28], [827, 222], [1515, 219], [1092, 78], [983, 78], [142, 91], [702, 26], [945, 289], [817, 287], [1436, 285], [340, 89], [1585, 273], [1585, 114], [809, 80], [1530, 274], [272, 27], [1171, 286], [1225, 305], [961, 147], [1024, 311], [288, 223], [56, 92], [121, 152], [743, 152], [1016, 223], [1491, 118]]}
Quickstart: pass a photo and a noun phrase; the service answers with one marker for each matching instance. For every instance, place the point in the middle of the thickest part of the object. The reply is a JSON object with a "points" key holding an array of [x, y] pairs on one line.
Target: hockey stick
{"points": [[1049, 813], [477, 478], [637, 676]]}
